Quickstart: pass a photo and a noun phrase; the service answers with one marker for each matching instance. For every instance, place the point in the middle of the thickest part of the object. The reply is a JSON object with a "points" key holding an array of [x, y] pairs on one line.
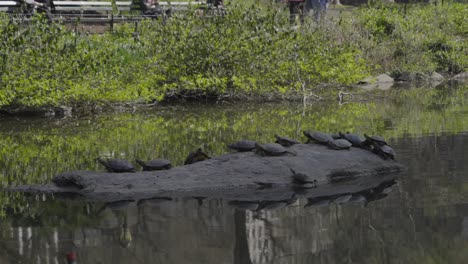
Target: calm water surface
{"points": [[421, 218]]}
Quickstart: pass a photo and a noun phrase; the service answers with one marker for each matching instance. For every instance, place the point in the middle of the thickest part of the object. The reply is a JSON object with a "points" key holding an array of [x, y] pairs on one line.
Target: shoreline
{"points": [[87, 108]]}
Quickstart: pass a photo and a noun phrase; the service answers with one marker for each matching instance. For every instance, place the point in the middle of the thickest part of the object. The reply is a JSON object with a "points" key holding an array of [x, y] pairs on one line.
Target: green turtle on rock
{"points": [[272, 149], [272, 205], [355, 140], [343, 199], [116, 165], [245, 205], [156, 164], [384, 151], [380, 146], [335, 136], [339, 144], [243, 145], [285, 141], [302, 180], [318, 202], [317, 137], [358, 198], [375, 139], [196, 156]]}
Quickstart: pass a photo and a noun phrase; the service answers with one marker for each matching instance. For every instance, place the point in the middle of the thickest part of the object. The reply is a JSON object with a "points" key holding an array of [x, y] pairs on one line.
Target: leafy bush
{"points": [[421, 38], [248, 51]]}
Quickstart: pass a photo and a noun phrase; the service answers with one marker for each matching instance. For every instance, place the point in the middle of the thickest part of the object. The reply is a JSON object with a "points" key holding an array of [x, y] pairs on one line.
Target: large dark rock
{"points": [[234, 176]]}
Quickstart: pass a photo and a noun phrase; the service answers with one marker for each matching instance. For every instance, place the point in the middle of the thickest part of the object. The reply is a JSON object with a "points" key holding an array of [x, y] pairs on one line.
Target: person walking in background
{"points": [[319, 7], [40, 6], [296, 7]]}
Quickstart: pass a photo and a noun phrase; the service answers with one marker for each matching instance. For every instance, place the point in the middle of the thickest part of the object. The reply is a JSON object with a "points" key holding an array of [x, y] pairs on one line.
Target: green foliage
{"points": [[248, 51], [244, 52], [415, 37]]}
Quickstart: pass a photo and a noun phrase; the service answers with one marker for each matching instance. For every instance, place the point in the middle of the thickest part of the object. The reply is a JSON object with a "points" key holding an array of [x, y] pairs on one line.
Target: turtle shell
{"points": [[343, 199], [317, 137], [377, 139], [336, 136], [318, 202], [272, 205], [301, 178], [245, 205], [243, 145], [339, 144], [356, 140], [384, 151], [270, 149], [285, 141], [117, 165], [196, 156], [156, 164]]}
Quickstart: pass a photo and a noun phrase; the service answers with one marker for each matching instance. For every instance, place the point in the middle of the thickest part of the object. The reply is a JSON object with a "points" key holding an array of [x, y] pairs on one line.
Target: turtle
{"points": [[272, 205], [118, 205], [156, 164], [336, 136], [285, 141], [343, 199], [271, 149], [358, 198], [196, 156], [303, 180], [154, 200], [116, 165], [377, 139], [245, 205], [384, 151], [318, 202], [199, 199], [264, 185], [339, 144], [243, 145], [317, 137], [356, 140]]}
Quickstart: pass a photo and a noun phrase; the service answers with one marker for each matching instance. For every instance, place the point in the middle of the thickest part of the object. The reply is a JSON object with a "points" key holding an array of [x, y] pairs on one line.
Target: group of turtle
{"points": [[340, 141], [376, 144], [121, 165]]}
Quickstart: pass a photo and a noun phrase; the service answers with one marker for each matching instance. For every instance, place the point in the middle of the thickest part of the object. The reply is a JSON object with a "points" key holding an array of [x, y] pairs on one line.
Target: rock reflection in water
{"points": [[421, 219]]}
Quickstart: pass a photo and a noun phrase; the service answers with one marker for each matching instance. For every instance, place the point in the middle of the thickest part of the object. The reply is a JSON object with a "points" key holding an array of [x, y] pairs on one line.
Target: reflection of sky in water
{"points": [[422, 219]]}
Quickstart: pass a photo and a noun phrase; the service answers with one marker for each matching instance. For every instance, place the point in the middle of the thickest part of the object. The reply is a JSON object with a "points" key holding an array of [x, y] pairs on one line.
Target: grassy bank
{"points": [[245, 53]]}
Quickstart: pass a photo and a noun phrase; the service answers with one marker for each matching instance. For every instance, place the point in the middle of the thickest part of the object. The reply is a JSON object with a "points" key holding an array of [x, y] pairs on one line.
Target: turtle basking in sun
{"points": [[243, 145], [384, 151], [116, 165], [317, 137], [355, 140], [375, 139], [196, 156], [285, 141], [339, 144], [156, 164], [272, 149], [302, 180]]}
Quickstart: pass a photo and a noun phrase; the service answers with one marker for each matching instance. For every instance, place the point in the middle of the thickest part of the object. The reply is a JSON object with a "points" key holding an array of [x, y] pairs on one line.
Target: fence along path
{"points": [[120, 5], [63, 7]]}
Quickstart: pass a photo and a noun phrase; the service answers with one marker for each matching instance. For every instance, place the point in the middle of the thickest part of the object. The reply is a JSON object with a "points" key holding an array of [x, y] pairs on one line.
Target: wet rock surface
{"points": [[235, 176]]}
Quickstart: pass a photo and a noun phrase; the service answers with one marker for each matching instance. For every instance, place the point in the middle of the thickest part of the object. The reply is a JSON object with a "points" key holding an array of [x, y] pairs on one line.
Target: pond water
{"points": [[422, 217]]}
